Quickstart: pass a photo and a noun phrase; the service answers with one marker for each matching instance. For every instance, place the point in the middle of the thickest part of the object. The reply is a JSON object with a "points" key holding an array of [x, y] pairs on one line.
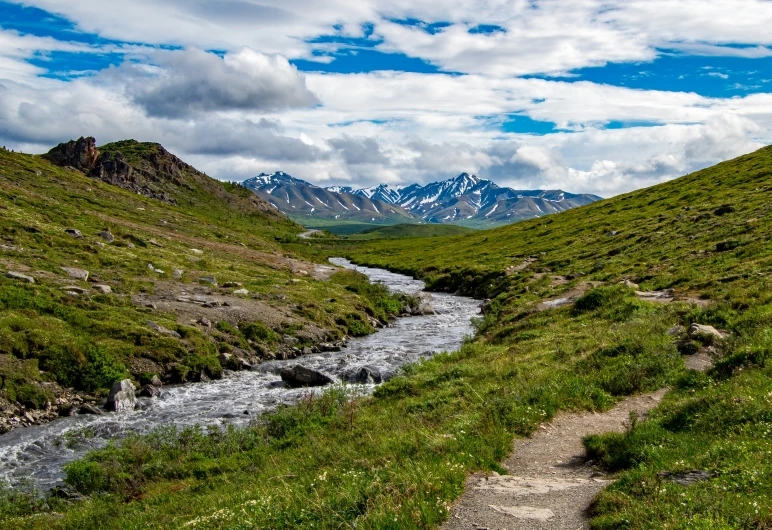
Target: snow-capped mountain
{"points": [[300, 199], [471, 200]]}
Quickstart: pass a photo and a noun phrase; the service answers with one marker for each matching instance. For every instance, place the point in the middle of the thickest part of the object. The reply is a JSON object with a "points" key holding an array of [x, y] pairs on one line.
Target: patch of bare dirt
{"points": [[550, 485], [192, 302], [567, 297]]}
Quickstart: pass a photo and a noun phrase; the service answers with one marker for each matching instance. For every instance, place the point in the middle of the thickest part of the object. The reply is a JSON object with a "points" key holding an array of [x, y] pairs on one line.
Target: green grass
{"points": [[399, 458], [409, 230]]}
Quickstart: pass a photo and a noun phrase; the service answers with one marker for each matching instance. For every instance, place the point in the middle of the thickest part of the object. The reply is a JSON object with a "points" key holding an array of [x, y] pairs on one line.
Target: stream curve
{"points": [[38, 453]]}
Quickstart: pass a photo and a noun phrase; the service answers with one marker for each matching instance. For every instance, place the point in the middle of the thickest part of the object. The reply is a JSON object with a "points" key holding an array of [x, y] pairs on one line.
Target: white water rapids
{"points": [[38, 453]]}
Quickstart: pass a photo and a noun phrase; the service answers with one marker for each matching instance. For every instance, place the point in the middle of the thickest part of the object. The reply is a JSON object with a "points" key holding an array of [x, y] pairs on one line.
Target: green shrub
{"points": [[86, 476], [257, 331]]}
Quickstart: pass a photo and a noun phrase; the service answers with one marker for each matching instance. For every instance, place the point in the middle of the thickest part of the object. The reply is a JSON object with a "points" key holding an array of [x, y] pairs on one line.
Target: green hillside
{"points": [[129, 307], [409, 230], [399, 459]]}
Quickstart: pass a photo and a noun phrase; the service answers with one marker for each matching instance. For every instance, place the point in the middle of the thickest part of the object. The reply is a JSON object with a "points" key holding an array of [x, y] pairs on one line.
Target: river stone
{"points": [[426, 309], [76, 274], [19, 276], [85, 408], [364, 375], [121, 398], [297, 376], [156, 381], [150, 391]]}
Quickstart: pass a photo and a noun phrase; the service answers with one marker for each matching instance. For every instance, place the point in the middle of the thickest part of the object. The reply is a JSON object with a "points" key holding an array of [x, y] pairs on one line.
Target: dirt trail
{"points": [[550, 486]]}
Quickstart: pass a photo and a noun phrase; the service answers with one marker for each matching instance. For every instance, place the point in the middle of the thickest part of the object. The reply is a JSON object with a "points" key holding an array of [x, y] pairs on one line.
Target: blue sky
{"points": [[600, 96]]}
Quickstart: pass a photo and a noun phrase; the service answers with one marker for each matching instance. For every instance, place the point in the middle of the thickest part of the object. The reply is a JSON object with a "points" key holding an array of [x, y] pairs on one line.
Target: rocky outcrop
{"points": [[82, 154], [297, 376]]}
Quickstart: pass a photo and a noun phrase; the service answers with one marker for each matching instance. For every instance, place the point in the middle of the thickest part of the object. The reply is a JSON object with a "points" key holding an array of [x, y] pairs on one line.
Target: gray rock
{"points": [[150, 391], [107, 235], [364, 375], [196, 251], [676, 330], [76, 274], [121, 398], [74, 289], [630, 285], [703, 332], [205, 322], [612, 233], [297, 376], [177, 273], [85, 408], [19, 276], [156, 381], [241, 291], [155, 243], [224, 358], [290, 340], [327, 347], [307, 351], [164, 331], [208, 279], [104, 289], [74, 233], [130, 245], [426, 309]]}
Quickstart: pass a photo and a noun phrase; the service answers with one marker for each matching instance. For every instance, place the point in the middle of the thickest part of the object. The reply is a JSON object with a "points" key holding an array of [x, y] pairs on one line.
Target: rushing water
{"points": [[38, 453]]}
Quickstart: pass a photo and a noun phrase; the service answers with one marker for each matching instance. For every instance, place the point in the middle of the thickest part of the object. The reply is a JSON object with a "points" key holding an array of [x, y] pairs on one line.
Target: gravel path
{"points": [[549, 486]]}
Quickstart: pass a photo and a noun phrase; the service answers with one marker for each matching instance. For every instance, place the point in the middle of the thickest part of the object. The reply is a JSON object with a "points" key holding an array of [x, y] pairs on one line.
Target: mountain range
{"points": [[465, 200]]}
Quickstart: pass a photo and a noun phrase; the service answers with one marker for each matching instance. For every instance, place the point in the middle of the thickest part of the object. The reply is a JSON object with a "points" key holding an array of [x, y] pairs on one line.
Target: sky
{"points": [[589, 96]]}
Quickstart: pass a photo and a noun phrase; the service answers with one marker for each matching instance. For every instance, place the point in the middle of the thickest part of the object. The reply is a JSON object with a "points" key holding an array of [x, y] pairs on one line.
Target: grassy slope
{"points": [[409, 230], [89, 341], [398, 459]]}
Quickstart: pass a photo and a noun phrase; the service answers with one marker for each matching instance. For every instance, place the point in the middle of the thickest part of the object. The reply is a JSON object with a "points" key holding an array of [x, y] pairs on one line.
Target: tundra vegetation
{"points": [[397, 459]]}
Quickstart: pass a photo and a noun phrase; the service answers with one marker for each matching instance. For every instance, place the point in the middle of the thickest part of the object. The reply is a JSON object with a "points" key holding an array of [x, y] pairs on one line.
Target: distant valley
{"points": [[465, 200]]}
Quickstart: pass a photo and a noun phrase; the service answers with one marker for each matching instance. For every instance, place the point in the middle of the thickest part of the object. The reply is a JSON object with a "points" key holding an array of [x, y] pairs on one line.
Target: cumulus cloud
{"points": [[193, 81]]}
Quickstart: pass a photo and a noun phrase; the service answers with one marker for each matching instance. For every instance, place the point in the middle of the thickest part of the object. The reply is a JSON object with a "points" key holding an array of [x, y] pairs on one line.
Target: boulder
{"points": [[327, 347], [104, 289], [85, 408], [150, 391], [290, 340], [364, 375], [76, 274], [704, 333], [19, 276], [107, 235], [74, 233], [121, 398], [156, 381], [297, 376], [426, 309], [241, 291], [208, 279], [177, 273], [676, 330], [164, 331]]}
